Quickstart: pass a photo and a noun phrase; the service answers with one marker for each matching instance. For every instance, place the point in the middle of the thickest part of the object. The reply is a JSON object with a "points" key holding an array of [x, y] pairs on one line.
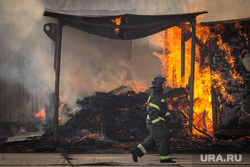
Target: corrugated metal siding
{"points": [[16, 104]]}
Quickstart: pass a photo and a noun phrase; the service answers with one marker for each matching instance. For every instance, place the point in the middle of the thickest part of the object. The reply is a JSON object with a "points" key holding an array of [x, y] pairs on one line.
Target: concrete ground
{"points": [[71, 160]]}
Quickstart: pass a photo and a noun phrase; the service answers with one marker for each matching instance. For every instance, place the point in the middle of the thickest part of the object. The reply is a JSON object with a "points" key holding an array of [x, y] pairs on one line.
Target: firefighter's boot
{"points": [[167, 161], [136, 152]]}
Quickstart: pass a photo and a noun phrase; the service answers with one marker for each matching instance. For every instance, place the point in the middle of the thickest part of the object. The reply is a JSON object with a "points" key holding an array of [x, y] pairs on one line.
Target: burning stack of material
{"points": [[110, 119], [230, 61], [118, 121], [118, 117]]}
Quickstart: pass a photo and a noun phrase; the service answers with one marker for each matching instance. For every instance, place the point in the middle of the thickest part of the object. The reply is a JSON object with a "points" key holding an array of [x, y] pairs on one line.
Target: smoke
{"points": [[26, 52], [217, 9], [90, 63], [227, 9]]}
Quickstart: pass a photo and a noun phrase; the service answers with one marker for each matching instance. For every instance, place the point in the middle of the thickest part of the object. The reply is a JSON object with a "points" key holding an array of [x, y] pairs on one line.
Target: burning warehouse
{"points": [[206, 65]]}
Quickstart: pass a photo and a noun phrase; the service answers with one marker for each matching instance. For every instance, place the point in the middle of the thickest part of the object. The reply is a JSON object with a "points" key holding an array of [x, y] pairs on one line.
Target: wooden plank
{"points": [[166, 46], [182, 55], [192, 77]]}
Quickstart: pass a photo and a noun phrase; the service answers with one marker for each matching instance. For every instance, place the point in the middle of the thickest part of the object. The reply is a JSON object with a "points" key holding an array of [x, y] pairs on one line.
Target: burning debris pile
{"points": [[118, 121], [230, 73], [118, 117], [111, 121], [122, 117]]}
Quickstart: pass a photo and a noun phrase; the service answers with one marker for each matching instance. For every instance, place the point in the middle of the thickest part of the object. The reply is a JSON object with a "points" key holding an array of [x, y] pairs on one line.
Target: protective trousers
{"points": [[159, 136]]}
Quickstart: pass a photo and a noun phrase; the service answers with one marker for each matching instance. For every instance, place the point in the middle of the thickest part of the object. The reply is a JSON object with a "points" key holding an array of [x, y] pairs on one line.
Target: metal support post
{"points": [[57, 79]]}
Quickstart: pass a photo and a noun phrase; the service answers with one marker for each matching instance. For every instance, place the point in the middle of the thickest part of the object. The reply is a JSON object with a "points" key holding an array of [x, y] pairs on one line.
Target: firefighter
{"points": [[157, 119]]}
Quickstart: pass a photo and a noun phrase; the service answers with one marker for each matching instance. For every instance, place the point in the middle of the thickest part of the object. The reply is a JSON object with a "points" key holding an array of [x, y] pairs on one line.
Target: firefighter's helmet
{"points": [[157, 81]]}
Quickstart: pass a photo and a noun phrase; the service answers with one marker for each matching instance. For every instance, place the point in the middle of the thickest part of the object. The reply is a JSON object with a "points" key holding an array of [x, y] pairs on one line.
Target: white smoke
{"points": [[227, 9], [26, 51]]}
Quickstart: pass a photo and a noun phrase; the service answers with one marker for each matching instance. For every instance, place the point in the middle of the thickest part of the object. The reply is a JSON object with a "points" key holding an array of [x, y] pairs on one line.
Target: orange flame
{"points": [[137, 86], [171, 62], [169, 42], [117, 21], [40, 114], [92, 135], [62, 104], [227, 50], [219, 83], [143, 105]]}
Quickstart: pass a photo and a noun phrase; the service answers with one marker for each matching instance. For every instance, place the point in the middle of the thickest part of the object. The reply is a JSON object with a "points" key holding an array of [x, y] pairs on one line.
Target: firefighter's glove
{"points": [[159, 125], [168, 118]]}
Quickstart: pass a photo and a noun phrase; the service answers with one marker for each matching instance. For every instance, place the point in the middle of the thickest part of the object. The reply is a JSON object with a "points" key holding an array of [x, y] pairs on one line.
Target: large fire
{"points": [[168, 46], [219, 83], [170, 42]]}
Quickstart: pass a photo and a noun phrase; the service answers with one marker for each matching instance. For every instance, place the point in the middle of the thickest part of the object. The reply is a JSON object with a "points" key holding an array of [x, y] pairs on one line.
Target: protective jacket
{"points": [[156, 107], [159, 133]]}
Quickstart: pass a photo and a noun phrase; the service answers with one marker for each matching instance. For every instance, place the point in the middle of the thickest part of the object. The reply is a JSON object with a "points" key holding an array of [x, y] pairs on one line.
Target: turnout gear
{"points": [[157, 114], [167, 161], [136, 153]]}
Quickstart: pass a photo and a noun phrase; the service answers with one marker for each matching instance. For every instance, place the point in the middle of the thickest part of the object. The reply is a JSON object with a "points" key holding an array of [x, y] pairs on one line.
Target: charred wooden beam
{"points": [[182, 53], [203, 132], [54, 32], [187, 34], [117, 89], [191, 90]]}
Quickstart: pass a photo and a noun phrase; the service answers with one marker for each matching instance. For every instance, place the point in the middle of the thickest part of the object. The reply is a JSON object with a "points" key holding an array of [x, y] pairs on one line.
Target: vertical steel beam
{"points": [[58, 43], [191, 92], [182, 53]]}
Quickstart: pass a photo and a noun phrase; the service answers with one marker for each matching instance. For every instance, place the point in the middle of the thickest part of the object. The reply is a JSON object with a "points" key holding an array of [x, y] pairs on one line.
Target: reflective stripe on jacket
{"points": [[156, 107]]}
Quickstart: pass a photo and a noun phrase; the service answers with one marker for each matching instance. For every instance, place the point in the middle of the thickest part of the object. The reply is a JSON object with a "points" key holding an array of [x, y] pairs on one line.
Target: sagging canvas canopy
{"points": [[125, 27]]}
